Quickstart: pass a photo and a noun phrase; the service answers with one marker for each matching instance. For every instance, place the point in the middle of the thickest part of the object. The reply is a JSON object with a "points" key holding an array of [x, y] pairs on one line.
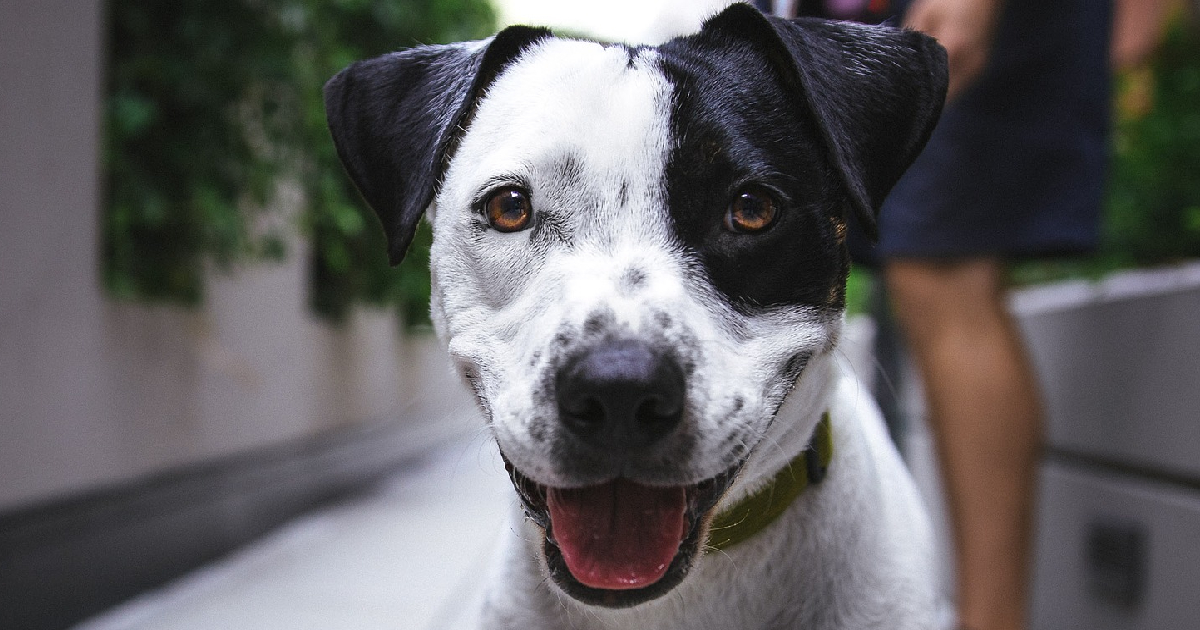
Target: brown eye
{"points": [[753, 210], [508, 209]]}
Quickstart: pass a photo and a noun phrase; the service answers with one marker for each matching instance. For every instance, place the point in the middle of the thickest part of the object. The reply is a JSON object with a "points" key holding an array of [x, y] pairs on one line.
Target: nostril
{"points": [[657, 417], [659, 408], [584, 415], [621, 393]]}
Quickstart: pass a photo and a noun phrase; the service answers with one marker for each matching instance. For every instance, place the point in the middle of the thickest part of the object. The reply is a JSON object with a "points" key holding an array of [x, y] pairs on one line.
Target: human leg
{"points": [[986, 416]]}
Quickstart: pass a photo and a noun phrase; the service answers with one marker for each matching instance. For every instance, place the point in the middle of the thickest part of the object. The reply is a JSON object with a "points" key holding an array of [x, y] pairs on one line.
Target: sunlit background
{"points": [[631, 21]]}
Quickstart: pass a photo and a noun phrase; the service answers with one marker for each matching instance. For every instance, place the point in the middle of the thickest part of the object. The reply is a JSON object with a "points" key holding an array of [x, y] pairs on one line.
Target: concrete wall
{"points": [[94, 392]]}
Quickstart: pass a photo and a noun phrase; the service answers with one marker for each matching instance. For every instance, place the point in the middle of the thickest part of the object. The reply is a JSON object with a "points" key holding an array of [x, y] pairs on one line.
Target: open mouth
{"points": [[620, 543]]}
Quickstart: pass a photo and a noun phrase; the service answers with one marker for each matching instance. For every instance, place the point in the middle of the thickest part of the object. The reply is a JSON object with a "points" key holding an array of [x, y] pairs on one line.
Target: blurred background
{"points": [[201, 341]]}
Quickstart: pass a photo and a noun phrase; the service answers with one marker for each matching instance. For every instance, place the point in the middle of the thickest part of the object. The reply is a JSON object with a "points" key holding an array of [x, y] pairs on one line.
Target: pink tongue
{"points": [[619, 535]]}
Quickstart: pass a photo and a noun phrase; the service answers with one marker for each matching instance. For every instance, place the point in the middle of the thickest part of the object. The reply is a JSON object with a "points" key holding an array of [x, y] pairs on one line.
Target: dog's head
{"points": [[637, 250]]}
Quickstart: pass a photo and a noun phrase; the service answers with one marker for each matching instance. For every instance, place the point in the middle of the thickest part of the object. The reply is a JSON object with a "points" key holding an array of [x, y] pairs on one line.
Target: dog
{"points": [[638, 266]]}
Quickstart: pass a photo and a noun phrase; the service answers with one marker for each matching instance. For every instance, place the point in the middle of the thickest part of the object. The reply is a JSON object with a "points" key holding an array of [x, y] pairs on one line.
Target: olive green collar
{"points": [[755, 512]]}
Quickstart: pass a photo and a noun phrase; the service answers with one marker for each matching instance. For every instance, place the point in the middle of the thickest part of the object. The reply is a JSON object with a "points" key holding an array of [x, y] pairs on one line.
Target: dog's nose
{"points": [[620, 394]]}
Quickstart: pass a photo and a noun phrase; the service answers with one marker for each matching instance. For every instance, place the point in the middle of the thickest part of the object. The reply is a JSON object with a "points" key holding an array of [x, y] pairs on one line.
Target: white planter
{"points": [[1118, 534], [1119, 364]]}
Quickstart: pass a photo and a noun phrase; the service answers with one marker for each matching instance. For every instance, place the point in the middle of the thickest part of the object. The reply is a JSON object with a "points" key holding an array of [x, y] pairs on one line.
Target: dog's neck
{"points": [[785, 440], [787, 459], [742, 520]]}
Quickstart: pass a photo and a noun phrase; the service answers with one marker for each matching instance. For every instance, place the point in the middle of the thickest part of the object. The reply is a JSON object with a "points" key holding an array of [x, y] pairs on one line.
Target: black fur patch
{"points": [[735, 124], [396, 120], [825, 115], [633, 279]]}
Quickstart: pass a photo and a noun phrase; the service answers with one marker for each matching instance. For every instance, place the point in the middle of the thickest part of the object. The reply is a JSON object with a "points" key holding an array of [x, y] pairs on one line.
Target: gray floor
{"points": [[400, 558]]}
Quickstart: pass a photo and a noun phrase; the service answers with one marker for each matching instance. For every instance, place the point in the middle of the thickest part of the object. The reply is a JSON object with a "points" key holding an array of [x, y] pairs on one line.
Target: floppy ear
{"points": [[874, 92], [395, 120]]}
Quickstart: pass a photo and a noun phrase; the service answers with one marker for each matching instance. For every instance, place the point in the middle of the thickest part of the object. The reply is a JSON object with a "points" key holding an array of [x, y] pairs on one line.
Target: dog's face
{"points": [[636, 251], [649, 218]]}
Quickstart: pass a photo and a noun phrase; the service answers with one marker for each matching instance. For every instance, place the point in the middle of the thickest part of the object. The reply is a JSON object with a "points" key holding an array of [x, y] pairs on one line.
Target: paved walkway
{"points": [[399, 558]]}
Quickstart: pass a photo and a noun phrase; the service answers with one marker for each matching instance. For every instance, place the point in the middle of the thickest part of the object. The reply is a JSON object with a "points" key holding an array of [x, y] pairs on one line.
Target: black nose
{"points": [[620, 394]]}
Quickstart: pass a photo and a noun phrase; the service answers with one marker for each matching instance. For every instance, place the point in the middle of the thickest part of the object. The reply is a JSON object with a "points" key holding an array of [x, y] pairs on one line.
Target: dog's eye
{"points": [[754, 210], [508, 209]]}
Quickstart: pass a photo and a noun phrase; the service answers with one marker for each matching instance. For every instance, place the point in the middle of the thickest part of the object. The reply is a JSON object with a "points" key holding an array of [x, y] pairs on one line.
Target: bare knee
{"points": [[937, 297]]}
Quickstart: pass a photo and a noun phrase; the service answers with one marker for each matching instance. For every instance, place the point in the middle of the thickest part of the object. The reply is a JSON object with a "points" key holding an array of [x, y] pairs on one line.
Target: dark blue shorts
{"points": [[1016, 166]]}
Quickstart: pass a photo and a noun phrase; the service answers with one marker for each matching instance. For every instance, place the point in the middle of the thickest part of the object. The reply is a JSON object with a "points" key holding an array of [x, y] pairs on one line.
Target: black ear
{"points": [[874, 92], [395, 119]]}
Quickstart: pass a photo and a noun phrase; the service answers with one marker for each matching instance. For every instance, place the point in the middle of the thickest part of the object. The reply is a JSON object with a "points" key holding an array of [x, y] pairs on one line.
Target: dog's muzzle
{"points": [[623, 541]]}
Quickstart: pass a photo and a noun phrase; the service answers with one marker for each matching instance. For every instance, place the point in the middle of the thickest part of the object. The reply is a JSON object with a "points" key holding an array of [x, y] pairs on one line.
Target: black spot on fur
{"points": [[735, 444], [623, 194], [689, 366], [597, 322], [568, 171], [634, 52], [633, 279], [549, 229], [539, 432]]}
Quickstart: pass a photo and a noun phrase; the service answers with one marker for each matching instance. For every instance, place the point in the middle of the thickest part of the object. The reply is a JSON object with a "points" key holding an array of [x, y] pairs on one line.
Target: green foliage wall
{"points": [[211, 104], [1154, 196]]}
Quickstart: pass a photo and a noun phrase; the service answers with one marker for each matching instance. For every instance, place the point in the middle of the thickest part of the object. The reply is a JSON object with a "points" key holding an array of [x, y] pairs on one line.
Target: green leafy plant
{"points": [[1153, 214], [214, 106]]}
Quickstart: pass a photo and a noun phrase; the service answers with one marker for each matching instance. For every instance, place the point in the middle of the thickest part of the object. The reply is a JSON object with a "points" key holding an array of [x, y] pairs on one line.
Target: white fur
{"points": [[851, 553]]}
